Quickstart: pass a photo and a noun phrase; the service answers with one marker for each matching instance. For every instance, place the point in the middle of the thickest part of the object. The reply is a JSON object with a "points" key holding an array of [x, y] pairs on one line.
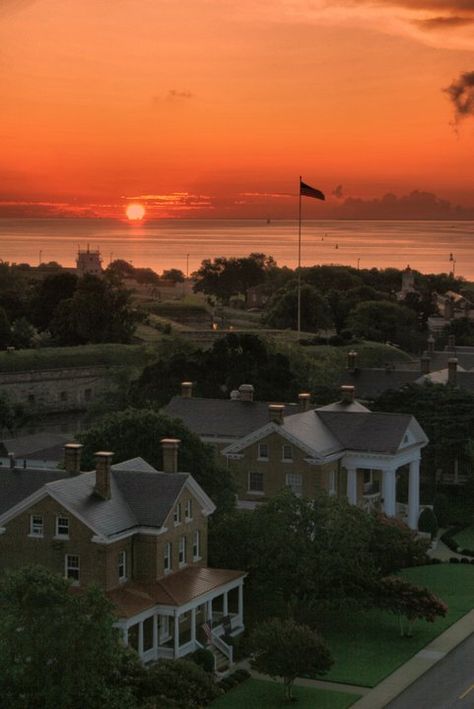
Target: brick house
{"points": [[139, 534], [343, 449]]}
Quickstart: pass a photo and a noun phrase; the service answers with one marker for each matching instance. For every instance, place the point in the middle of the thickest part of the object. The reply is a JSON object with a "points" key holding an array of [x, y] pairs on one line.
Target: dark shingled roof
{"points": [[19, 483], [369, 432], [222, 417], [372, 383]]}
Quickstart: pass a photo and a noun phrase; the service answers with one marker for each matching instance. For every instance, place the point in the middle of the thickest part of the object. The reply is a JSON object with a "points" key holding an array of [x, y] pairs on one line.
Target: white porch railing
{"points": [[221, 645]]}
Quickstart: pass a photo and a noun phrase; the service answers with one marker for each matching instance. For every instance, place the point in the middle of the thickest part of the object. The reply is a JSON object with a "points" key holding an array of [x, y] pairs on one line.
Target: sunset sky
{"points": [[213, 108]]}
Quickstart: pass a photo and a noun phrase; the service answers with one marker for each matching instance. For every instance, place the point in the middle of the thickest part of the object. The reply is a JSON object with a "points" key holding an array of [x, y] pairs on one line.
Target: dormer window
{"points": [[287, 453], [188, 512], [36, 526], [62, 527], [263, 451], [177, 513]]}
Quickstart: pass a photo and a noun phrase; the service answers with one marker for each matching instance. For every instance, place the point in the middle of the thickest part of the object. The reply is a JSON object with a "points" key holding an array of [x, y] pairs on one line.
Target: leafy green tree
{"points": [[463, 331], [120, 268], [98, 312], [224, 277], [178, 683], [382, 321], [288, 650], [57, 648], [394, 546], [324, 278], [174, 275], [5, 330], [22, 333], [12, 414], [50, 292], [399, 596], [282, 308], [14, 291], [138, 432], [428, 522]]}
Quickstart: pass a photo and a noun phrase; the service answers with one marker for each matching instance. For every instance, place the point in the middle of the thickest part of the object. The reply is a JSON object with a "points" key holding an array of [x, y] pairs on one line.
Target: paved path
{"points": [[396, 683]]}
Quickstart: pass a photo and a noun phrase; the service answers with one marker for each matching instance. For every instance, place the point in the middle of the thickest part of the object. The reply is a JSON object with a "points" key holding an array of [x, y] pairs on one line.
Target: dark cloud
{"points": [[461, 94], [173, 94], [451, 6], [440, 23], [338, 192], [416, 205]]}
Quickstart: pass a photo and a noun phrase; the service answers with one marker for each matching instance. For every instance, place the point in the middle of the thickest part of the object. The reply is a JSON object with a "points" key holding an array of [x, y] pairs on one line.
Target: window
{"points": [[167, 558], [36, 525], [177, 513], [183, 617], [122, 565], [295, 482], [196, 545], [73, 568], [287, 452], [332, 482], [255, 482], [88, 394], [62, 526], [189, 509], [182, 551], [164, 625], [263, 451]]}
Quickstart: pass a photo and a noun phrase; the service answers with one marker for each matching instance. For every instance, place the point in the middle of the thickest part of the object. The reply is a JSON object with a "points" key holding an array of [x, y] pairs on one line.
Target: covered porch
{"points": [[194, 608]]}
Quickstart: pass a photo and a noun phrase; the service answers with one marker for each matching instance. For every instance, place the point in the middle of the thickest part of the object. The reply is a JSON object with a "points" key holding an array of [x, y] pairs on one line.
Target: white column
{"points": [[209, 612], [352, 485], [155, 635], [225, 604], [241, 602], [125, 636], [140, 639], [176, 637], [193, 625], [389, 491], [414, 494]]}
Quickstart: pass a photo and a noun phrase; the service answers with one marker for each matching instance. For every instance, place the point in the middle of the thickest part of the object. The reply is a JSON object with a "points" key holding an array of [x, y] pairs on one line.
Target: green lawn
{"points": [[81, 356], [258, 694], [367, 646], [465, 538]]}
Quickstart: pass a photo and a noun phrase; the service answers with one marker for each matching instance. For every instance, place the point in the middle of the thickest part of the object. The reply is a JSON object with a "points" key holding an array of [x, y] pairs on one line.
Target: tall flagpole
{"points": [[299, 257]]}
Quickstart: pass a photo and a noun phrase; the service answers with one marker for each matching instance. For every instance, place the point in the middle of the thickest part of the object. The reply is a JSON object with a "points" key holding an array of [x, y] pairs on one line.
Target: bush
{"points": [[427, 522], [442, 509], [453, 560], [464, 560], [336, 340], [346, 335], [179, 683], [204, 658]]}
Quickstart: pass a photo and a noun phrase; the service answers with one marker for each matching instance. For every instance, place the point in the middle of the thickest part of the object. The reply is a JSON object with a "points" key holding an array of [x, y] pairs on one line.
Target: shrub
{"points": [[346, 335], [336, 341], [464, 560], [179, 683], [427, 522], [442, 509], [453, 560], [204, 658]]}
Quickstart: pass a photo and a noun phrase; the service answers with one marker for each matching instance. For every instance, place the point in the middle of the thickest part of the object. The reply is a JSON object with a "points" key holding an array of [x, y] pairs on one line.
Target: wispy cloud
{"points": [[461, 94]]}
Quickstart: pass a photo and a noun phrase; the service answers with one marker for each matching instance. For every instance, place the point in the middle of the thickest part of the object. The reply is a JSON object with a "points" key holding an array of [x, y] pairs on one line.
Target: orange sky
{"points": [[213, 108]]}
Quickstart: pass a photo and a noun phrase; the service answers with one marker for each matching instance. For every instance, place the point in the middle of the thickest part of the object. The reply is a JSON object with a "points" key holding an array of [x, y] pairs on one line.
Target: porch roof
{"points": [[176, 590]]}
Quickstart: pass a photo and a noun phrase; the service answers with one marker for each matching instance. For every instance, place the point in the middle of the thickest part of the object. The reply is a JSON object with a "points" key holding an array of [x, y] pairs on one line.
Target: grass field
{"points": [[258, 694], [367, 646], [82, 356]]}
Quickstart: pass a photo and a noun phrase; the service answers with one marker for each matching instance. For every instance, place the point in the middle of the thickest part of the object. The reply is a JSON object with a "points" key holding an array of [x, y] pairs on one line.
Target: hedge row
{"points": [[233, 679], [449, 539]]}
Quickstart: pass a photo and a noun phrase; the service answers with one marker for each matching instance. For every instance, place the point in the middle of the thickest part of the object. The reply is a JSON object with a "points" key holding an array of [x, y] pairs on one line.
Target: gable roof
{"points": [[372, 383], [18, 483], [372, 431], [223, 418]]}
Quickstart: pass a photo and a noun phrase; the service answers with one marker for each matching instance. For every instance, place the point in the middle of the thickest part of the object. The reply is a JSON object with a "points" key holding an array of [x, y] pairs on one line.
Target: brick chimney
{"points": [[72, 458], [169, 447], [425, 363], [347, 394], [246, 392], [431, 344], [186, 390], [103, 464], [276, 413], [352, 360], [304, 401], [452, 342], [452, 371]]}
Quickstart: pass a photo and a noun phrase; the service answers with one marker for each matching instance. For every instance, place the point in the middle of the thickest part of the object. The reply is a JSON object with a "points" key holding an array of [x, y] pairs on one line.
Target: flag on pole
{"points": [[307, 191]]}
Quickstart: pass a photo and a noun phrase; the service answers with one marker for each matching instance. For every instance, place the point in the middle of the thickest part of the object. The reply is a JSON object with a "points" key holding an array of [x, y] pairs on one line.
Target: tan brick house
{"points": [[138, 533]]}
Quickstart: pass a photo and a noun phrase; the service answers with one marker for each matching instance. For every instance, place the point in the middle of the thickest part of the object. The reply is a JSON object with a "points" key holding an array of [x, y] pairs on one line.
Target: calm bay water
{"points": [[424, 245]]}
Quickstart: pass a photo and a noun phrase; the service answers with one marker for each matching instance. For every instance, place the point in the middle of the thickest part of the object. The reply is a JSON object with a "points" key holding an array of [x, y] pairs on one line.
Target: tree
{"points": [[55, 288], [5, 329], [58, 648], [138, 432], [12, 415], [174, 275], [399, 596], [22, 333], [428, 522], [120, 268], [282, 309], [382, 321], [97, 312], [394, 546], [178, 683], [14, 291], [288, 650], [224, 277]]}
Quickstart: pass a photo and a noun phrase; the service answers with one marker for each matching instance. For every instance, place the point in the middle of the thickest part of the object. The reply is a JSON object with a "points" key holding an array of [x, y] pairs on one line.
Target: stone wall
{"points": [[57, 390]]}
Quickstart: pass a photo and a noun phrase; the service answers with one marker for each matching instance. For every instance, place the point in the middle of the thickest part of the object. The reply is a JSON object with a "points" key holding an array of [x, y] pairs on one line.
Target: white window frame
{"points": [[177, 514], [182, 551], [197, 545], [70, 567], [164, 629], [284, 458], [36, 527], [297, 489], [332, 483], [168, 558], [250, 489], [260, 456], [188, 510], [122, 565], [62, 535]]}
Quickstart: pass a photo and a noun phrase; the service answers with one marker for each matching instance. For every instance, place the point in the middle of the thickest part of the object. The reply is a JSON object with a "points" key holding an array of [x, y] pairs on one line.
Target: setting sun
{"points": [[135, 212]]}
